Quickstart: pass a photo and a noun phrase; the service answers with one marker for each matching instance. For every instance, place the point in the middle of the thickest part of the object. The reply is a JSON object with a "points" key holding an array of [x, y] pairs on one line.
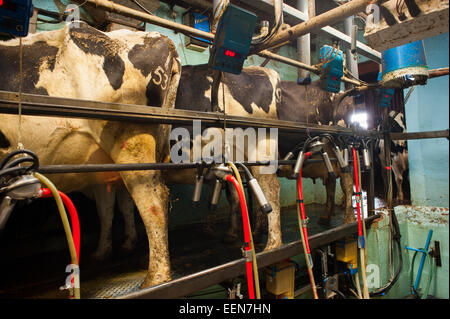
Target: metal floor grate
{"points": [[107, 287]]}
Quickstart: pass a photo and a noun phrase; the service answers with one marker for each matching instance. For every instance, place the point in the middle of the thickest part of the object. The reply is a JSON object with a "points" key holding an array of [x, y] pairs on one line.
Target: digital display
{"points": [[11, 6], [230, 53]]}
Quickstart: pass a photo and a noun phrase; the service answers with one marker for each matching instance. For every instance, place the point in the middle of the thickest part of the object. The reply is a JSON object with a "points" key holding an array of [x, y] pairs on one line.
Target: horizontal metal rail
{"points": [[91, 168], [187, 285], [420, 135], [40, 105]]}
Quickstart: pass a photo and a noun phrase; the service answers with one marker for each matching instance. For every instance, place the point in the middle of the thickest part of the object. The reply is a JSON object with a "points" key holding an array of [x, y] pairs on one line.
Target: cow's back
{"points": [[255, 92], [83, 63]]}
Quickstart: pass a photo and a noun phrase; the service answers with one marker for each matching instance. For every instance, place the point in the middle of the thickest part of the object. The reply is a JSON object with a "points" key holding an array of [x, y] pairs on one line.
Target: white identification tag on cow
{"points": [[364, 197]]}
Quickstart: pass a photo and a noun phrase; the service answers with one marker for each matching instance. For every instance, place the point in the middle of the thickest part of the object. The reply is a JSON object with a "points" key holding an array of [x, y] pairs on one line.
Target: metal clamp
{"points": [[247, 254], [305, 221]]}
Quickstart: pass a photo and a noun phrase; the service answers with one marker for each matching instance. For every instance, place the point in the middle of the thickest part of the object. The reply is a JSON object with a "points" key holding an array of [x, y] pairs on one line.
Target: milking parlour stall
{"points": [[209, 153]]}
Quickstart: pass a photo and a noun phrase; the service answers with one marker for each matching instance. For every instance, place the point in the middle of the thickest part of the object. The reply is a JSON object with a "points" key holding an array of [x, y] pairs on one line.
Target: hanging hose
{"points": [[245, 219], [361, 238], [16, 180], [362, 210], [301, 216], [254, 262], [70, 240], [430, 276], [46, 193]]}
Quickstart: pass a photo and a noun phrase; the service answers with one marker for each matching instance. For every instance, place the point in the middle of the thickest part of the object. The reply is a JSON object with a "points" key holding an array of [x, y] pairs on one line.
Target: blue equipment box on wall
{"points": [[233, 39], [199, 22], [15, 16], [386, 94], [333, 69]]}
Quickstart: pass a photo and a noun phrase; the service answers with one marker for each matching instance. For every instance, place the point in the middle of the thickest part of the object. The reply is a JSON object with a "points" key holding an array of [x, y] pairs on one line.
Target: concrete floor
{"points": [[190, 249]]}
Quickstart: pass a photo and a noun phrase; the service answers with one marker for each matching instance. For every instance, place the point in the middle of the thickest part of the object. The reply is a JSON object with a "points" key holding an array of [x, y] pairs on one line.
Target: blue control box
{"points": [[15, 16], [386, 94], [233, 40], [333, 68]]}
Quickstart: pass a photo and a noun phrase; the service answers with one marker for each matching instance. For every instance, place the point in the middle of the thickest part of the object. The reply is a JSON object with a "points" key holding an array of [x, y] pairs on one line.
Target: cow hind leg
{"points": [[330, 185], [270, 186], [151, 197], [126, 207], [105, 208], [346, 182], [235, 212]]}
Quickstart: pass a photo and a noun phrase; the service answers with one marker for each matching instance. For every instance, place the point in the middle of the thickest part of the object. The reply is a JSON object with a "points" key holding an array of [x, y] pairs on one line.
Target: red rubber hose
{"points": [[248, 264], [358, 207], [46, 193], [302, 206], [304, 228]]}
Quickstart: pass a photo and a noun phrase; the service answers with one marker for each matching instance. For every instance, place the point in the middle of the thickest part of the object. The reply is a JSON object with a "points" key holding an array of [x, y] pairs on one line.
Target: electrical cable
{"points": [[279, 20], [339, 293], [430, 276], [141, 6], [396, 236]]}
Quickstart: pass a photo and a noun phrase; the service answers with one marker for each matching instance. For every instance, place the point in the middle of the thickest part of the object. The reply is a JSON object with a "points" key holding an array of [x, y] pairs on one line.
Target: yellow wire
{"points": [[255, 265], [62, 212]]}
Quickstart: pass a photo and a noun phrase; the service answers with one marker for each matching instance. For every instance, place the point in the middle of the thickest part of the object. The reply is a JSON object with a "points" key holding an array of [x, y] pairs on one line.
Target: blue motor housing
{"points": [[333, 68], [386, 94], [405, 65], [15, 17]]}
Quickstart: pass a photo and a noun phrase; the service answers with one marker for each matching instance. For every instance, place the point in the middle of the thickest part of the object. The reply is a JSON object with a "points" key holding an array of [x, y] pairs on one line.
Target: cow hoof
{"points": [[155, 279], [324, 221], [100, 256], [272, 245]]}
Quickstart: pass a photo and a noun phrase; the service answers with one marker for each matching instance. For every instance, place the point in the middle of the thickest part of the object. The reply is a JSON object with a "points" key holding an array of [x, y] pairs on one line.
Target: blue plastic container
{"points": [[405, 65]]}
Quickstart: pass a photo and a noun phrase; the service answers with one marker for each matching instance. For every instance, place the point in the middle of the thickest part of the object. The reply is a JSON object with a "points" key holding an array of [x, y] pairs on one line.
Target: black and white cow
{"points": [[311, 104], [120, 67], [255, 92], [258, 92], [399, 154]]}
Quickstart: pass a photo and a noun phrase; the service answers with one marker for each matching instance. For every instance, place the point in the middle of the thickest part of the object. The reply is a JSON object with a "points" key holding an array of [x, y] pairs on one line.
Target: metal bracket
{"points": [[235, 293], [436, 253], [247, 254]]}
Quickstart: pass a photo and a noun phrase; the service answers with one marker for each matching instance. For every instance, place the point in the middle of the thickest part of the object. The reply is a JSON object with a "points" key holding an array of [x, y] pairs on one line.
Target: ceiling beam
{"points": [[294, 16]]}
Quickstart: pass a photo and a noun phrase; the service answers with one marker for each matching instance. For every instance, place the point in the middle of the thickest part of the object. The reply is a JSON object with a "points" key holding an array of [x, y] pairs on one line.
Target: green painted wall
{"points": [[415, 223], [427, 110]]}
